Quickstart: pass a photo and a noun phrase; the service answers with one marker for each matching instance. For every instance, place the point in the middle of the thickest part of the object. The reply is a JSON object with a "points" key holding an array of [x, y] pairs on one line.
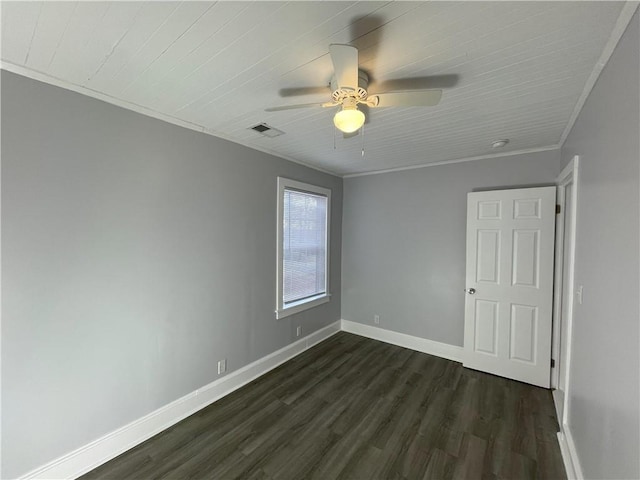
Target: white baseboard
{"points": [[565, 440], [94, 454], [569, 454], [88, 457], [444, 350]]}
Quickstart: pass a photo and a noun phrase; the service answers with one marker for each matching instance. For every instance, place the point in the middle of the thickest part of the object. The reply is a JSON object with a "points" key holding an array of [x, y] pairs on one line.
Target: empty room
{"points": [[320, 239]]}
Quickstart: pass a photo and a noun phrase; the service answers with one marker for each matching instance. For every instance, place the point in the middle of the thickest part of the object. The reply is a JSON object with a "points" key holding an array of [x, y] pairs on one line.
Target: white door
{"points": [[508, 309]]}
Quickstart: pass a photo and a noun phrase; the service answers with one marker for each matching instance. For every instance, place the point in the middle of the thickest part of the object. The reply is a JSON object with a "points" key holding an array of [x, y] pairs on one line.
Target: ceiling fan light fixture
{"points": [[349, 119]]}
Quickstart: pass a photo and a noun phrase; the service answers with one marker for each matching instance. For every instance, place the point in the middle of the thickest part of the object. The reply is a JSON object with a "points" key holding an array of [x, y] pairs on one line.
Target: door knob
{"points": [[470, 291]]}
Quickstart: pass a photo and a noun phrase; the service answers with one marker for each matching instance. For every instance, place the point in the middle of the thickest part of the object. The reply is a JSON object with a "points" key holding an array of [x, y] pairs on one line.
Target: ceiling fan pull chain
{"points": [[362, 141], [334, 138]]}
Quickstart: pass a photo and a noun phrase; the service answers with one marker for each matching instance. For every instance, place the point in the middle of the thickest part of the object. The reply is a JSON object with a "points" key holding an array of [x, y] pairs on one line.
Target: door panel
{"points": [[526, 208], [510, 239], [488, 256], [486, 327], [525, 259], [523, 333], [489, 210]]}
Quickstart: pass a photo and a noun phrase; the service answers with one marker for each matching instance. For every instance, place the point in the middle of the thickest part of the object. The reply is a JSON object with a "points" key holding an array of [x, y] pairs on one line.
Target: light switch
{"points": [[579, 294]]}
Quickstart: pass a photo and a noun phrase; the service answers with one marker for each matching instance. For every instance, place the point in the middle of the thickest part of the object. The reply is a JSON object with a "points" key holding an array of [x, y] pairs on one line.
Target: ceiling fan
{"points": [[349, 89]]}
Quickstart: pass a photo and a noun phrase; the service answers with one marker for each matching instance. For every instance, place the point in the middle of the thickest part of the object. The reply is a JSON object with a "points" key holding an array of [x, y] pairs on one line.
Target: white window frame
{"points": [[305, 304]]}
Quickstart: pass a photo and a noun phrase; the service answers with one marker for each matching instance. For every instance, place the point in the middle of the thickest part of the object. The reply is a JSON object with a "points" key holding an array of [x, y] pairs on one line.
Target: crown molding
{"points": [[457, 160], [619, 28], [58, 82]]}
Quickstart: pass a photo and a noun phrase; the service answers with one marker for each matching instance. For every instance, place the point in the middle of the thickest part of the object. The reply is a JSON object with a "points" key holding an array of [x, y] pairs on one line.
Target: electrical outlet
{"points": [[376, 319], [222, 366], [298, 331]]}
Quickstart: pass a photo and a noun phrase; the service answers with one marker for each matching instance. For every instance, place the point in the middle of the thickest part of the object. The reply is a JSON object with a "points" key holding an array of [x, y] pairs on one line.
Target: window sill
{"points": [[303, 305]]}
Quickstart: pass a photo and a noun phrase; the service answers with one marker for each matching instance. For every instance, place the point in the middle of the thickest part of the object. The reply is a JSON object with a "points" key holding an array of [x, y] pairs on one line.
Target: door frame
{"points": [[568, 176]]}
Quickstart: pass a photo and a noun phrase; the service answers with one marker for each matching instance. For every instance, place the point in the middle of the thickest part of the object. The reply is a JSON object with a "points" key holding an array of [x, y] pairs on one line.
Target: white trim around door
{"points": [[564, 274], [563, 303]]}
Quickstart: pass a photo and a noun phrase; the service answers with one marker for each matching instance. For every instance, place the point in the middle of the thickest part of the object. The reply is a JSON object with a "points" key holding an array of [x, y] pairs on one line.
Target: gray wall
{"points": [[604, 377], [404, 241], [136, 254]]}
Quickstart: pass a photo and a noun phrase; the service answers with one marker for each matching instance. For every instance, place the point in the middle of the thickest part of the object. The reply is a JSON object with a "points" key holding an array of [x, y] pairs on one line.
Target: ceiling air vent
{"points": [[266, 130]]}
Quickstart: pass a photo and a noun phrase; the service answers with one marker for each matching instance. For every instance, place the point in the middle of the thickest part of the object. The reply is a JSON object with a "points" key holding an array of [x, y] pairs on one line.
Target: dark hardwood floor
{"points": [[356, 408]]}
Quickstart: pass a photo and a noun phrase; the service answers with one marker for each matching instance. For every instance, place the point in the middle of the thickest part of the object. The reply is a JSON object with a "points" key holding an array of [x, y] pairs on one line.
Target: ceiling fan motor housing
{"points": [[339, 94]]}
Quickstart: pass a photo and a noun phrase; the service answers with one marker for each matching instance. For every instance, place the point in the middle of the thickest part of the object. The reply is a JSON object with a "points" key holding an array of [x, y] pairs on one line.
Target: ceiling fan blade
{"points": [[345, 65], [418, 98], [294, 92], [415, 83], [293, 107]]}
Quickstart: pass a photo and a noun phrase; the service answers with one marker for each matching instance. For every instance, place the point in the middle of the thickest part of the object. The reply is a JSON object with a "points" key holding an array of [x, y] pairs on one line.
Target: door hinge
{"points": [[558, 209], [553, 363]]}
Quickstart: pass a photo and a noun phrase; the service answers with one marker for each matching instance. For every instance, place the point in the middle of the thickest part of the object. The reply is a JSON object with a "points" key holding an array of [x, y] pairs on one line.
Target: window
{"points": [[303, 246]]}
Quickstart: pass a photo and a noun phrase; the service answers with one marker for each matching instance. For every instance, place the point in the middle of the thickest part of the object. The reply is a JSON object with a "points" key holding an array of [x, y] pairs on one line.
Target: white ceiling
{"points": [[516, 70]]}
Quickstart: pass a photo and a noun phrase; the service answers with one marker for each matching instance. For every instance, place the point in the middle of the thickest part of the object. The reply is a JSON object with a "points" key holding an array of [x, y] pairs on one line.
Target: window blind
{"points": [[304, 245]]}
